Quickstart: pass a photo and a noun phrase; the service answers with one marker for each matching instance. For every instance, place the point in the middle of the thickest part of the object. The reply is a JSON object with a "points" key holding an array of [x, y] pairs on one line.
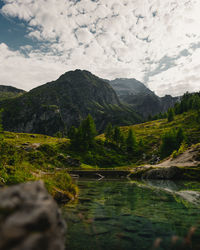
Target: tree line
{"points": [[189, 101], [83, 137]]}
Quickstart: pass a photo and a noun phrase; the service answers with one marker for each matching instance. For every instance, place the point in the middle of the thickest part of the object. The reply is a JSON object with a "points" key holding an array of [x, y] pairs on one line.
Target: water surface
{"points": [[117, 214]]}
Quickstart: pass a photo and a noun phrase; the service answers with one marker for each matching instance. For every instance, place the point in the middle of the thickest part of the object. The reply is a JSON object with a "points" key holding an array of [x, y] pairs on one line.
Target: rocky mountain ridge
{"points": [[9, 92], [141, 98], [57, 105]]}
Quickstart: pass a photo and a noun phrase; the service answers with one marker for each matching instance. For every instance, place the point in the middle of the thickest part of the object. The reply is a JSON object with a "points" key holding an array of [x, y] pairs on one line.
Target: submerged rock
{"points": [[30, 219], [190, 195]]}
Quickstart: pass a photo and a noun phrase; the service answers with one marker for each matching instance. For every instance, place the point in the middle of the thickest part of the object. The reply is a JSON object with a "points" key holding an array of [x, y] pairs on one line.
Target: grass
{"points": [[29, 157], [151, 132], [21, 138], [25, 157]]}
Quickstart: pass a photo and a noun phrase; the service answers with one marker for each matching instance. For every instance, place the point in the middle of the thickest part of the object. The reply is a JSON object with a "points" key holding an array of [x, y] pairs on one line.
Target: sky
{"points": [[155, 41]]}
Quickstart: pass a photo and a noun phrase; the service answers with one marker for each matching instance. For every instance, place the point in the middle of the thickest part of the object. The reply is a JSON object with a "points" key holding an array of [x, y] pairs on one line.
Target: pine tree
{"points": [[141, 146], [87, 132], [117, 135], [131, 141], [1, 126], [198, 116], [83, 138], [169, 143], [73, 136], [180, 137], [196, 102], [170, 115], [122, 142], [109, 132]]}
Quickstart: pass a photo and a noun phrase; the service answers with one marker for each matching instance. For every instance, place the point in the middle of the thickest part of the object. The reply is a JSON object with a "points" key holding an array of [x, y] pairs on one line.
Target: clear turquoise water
{"points": [[116, 214]]}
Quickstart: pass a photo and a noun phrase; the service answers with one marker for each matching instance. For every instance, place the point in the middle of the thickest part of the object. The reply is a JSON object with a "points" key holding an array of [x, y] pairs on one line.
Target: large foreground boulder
{"points": [[30, 219]]}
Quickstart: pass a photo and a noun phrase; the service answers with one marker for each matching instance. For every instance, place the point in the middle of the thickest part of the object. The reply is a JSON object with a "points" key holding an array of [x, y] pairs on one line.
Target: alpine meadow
{"points": [[99, 125]]}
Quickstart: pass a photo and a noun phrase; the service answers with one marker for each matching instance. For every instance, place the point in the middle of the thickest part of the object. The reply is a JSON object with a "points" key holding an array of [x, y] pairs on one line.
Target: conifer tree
{"points": [[131, 141], [180, 137], [109, 132], [117, 135], [122, 141], [73, 136], [170, 115], [1, 126], [83, 138], [87, 132], [169, 143]]}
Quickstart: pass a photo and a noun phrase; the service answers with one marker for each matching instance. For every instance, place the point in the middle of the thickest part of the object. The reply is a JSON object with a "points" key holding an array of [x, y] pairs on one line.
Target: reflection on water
{"points": [[131, 215]]}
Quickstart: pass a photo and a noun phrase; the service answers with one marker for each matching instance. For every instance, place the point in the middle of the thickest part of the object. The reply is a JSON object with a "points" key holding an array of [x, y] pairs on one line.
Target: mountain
{"points": [[142, 99], [9, 92], [125, 86], [57, 105]]}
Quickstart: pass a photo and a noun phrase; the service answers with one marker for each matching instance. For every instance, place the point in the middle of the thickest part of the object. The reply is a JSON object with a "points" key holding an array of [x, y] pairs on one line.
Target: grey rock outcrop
{"points": [[165, 173], [30, 219]]}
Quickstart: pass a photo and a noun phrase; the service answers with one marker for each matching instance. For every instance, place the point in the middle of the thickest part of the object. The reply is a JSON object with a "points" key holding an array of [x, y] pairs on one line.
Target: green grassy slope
{"points": [[151, 132], [28, 157]]}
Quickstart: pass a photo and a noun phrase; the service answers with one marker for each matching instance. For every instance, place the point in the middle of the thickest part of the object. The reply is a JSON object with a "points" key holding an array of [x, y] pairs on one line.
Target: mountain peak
{"points": [[141, 98], [57, 105], [7, 92], [127, 86], [9, 88]]}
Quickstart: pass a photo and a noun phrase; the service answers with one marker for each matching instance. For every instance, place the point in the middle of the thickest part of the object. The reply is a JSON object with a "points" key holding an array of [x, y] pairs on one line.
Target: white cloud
{"points": [[115, 38], [176, 80], [83, 35], [23, 72]]}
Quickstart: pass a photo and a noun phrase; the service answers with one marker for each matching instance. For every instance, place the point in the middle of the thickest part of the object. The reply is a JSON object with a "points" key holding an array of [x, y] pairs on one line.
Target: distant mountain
{"points": [[57, 105], [140, 98], [9, 92], [125, 86]]}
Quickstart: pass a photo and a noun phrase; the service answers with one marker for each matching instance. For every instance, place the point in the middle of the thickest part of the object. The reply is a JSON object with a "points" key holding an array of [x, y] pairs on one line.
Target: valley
{"points": [[77, 132]]}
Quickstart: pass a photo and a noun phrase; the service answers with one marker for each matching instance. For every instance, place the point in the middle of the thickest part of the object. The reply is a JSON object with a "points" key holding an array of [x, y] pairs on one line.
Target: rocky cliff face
{"points": [[58, 105], [142, 99]]}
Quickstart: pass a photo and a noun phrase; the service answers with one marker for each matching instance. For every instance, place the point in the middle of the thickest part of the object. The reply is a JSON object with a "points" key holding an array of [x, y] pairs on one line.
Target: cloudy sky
{"points": [[154, 41]]}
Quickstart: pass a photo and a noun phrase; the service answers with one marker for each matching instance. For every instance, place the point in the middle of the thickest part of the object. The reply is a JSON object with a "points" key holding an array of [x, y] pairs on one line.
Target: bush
{"points": [[171, 141], [48, 150], [14, 175], [36, 157], [170, 115], [9, 154], [181, 150], [61, 180]]}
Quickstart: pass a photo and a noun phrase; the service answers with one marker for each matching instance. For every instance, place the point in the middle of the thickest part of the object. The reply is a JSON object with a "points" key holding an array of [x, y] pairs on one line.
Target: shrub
{"points": [[48, 150], [36, 157], [171, 141], [170, 115], [131, 143], [181, 150]]}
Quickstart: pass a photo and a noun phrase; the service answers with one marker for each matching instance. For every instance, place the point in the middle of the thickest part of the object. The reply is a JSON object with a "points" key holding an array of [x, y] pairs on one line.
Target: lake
{"points": [[124, 214]]}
